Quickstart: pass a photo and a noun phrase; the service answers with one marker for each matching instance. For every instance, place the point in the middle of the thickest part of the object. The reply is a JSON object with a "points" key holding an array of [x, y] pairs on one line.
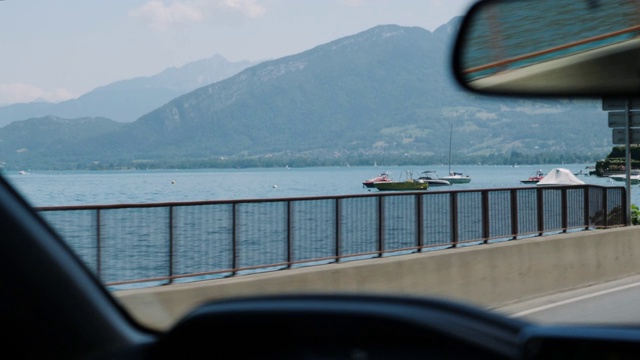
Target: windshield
{"points": [[193, 151]]}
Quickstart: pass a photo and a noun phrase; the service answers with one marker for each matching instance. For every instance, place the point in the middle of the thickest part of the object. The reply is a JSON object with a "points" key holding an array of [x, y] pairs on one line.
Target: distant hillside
{"points": [[344, 95], [31, 140], [383, 93], [127, 100]]}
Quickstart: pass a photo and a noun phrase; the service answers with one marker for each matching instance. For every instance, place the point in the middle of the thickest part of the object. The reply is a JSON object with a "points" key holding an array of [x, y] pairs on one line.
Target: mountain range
{"points": [[127, 100], [384, 93]]}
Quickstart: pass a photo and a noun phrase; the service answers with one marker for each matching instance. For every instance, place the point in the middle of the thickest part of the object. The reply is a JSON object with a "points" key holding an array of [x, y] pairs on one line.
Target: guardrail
{"points": [[132, 245]]}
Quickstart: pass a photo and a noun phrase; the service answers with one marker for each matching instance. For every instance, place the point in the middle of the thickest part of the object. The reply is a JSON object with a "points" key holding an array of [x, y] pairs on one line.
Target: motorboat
{"points": [[534, 178], [457, 178], [432, 179], [407, 185], [634, 178], [383, 177], [401, 185]]}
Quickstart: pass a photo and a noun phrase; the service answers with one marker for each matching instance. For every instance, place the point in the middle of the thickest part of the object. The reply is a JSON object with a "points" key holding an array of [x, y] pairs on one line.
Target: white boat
{"points": [[455, 177], [432, 179], [560, 176], [634, 178]]}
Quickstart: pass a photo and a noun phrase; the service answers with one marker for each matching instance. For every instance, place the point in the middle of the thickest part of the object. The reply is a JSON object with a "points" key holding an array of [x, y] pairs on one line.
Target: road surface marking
{"points": [[579, 298]]}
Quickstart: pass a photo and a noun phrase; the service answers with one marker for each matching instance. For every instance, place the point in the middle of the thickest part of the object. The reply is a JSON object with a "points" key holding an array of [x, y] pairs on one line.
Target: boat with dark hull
{"points": [[408, 184], [534, 178]]}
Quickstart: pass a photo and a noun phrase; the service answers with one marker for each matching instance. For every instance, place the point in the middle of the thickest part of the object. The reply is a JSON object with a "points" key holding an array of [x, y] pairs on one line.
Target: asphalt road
{"points": [[615, 302]]}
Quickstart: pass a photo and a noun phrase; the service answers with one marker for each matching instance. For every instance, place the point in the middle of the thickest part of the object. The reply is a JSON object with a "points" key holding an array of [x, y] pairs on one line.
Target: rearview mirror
{"points": [[550, 47]]}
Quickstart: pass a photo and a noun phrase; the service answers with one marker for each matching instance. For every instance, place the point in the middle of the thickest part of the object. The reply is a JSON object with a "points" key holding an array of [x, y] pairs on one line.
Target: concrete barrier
{"points": [[490, 275]]}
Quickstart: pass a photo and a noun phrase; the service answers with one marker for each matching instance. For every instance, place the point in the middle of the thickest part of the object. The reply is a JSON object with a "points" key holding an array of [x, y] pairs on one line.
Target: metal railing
{"points": [[132, 245]]}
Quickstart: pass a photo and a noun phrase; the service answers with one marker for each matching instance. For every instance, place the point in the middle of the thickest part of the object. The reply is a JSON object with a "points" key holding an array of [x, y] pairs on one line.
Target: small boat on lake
{"points": [[560, 176], [534, 178], [383, 177], [634, 178], [403, 185], [457, 178], [432, 179]]}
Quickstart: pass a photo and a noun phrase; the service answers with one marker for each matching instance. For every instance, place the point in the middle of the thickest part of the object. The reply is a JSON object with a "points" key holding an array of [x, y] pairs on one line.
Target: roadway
{"points": [[491, 276], [611, 302]]}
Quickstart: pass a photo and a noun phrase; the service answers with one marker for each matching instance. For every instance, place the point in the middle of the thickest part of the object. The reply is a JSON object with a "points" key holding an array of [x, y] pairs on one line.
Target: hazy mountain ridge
{"points": [[127, 100], [384, 92], [282, 100]]}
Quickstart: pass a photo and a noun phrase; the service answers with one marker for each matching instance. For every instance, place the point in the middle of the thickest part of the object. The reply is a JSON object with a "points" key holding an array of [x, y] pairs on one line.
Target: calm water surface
{"points": [[61, 188], [132, 251]]}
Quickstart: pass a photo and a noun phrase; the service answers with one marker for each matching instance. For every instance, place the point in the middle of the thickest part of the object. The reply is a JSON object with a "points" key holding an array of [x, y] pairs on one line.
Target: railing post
{"points": [[453, 201], [98, 244], [234, 240], [338, 228], [587, 210], [380, 226], [514, 214], [420, 222], [565, 210], [627, 215], [605, 208], [171, 245], [484, 195], [289, 235], [540, 210]]}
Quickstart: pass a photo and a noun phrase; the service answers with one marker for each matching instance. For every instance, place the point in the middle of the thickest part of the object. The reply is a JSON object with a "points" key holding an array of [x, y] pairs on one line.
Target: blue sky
{"points": [[60, 49]]}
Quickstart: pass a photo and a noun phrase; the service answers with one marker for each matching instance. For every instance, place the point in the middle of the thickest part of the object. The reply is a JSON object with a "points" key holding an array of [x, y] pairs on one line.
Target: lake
{"points": [[63, 188], [134, 243]]}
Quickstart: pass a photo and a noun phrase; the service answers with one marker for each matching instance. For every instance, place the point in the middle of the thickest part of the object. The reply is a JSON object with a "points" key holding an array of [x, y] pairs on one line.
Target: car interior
{"points": [[66, 313]]}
